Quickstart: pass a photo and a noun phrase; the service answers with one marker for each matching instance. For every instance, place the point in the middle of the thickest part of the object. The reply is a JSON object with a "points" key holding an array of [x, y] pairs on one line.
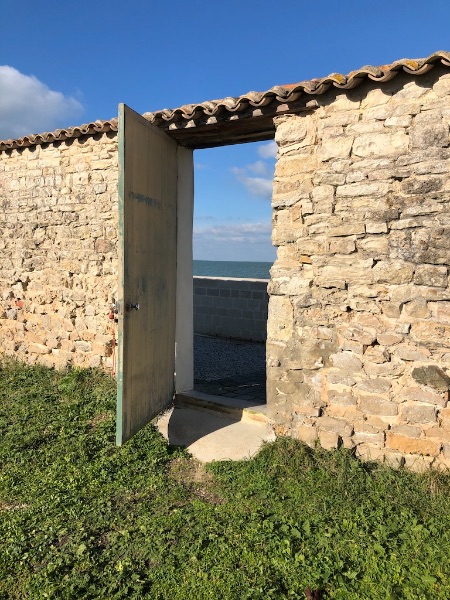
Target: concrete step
{"points": [[233, 408], [211, 435]]}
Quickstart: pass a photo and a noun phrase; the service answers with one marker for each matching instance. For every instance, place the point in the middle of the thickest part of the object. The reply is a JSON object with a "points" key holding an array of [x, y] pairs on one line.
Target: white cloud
{"points": [[259, 168], [29, 106], [257, 186], [234, 241], [269, 150]]}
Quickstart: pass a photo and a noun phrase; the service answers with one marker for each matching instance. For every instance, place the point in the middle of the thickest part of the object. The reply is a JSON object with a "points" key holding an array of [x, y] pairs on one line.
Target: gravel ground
{"points": [[216, 358]]}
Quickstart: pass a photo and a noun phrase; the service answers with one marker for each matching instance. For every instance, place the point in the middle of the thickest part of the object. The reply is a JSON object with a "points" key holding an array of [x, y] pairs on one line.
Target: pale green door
{"points": [[147, 272]]}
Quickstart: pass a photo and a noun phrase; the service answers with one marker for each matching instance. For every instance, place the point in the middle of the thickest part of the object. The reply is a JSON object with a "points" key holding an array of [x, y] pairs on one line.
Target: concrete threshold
{"points": [[234, 408], [214, 427]]}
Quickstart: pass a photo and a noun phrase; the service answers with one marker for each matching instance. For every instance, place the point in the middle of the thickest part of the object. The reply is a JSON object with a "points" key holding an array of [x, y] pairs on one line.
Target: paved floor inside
{"points": [[230, 368]]}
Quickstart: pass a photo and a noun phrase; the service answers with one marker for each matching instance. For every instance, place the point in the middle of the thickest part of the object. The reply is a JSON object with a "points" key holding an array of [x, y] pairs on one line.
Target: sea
{"points": [[232, 268]]}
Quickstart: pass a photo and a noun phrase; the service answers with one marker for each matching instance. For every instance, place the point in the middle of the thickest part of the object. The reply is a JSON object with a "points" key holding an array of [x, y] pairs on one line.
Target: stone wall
{"points": [[231, 308], [58, 260], [359, 313]]}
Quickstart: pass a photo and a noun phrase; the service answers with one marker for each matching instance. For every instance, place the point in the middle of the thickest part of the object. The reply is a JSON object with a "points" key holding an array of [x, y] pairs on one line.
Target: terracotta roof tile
{"points": [[61, 134], [194, 115]]}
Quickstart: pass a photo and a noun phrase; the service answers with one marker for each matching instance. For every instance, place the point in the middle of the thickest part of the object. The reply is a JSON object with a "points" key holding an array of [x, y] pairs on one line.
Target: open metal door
{"points": [[147, 272]]}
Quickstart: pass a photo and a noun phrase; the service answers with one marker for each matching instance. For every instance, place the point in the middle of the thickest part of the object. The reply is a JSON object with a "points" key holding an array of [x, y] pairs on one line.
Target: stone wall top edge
{"points": [[241, 279], [51, 140]]}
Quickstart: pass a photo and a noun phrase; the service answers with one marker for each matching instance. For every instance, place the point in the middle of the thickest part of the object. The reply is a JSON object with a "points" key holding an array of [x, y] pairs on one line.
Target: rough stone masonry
{"points": [[58, 260], [359, 313]]}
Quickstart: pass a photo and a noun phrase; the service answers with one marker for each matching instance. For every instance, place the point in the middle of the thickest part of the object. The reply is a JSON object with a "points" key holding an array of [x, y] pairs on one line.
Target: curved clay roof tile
{"points": [[198, 114]]}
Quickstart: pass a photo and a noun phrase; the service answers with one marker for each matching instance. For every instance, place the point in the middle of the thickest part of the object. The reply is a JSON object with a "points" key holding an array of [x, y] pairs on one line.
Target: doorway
{"points": [[232, 258]]}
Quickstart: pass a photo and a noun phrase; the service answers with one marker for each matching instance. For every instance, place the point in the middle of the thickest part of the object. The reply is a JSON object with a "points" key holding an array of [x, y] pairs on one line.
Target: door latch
{"points": [[132, 306]]}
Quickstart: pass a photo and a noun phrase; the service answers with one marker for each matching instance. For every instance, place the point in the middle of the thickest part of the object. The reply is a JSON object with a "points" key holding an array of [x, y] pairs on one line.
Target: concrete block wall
{"points": [[231, 308]]}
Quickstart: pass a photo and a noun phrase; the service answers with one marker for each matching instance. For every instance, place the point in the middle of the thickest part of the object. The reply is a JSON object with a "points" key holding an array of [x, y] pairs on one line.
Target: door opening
{"points": [[232, 258]]}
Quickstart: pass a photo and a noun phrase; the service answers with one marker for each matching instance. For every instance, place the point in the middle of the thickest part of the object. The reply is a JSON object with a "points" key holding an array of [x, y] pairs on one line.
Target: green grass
{"points": [[80, 518]]}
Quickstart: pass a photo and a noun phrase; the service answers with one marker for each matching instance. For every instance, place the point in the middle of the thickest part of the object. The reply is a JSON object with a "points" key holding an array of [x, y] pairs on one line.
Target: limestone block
{"points": [[411, 352], [374, 385], [354, 347], [327, 177], [306, 433], [431, 275], [418, 394], [280, 319], [346, 361], [419, 464], [442, 87], [376, 354], [298, 130], [422, 185], [328, 439], [418, 308], [418, 413], [393, 272], [399, 121], [442, 311], [389, 339], [323, 194], [408, 445], [395, 460], [380, 144], [376, 97], [35, 348], [364, 335], [375, 246], [291, 286], [376, 405], [341, 398], [376, 227], [336, 376], [344, 245], [338, 119], [344, 269], [355, 176], [346, 229], [406, 430], [363, 188], [311, 246], [332, 147], [288, 166], [428, 132], [342, 427], [432, 376], [430, 332], [367, 434]]}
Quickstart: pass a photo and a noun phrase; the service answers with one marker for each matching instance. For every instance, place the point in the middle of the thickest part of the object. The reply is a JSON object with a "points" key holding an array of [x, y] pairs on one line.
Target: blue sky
{"points": [[66, 63]]}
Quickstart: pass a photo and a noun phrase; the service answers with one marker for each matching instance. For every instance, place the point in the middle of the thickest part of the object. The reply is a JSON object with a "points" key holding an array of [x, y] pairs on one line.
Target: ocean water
{"points": [[231, 268]]}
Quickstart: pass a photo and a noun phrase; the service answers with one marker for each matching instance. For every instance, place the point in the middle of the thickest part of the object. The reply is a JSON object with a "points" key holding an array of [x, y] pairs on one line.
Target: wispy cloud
{"points": [[268, 150], [257, 176], [257, 186], [234, 241], [259, 168], [28, 105]]}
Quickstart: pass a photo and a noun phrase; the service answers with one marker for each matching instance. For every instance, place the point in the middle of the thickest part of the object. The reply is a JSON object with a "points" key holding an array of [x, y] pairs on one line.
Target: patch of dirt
{"points": [[192, 475], [12, 505], [100, 418]]}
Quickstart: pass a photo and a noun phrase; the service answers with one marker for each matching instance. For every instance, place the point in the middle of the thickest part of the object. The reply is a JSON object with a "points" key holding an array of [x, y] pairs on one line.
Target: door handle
{"points": [[132, 306]]}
